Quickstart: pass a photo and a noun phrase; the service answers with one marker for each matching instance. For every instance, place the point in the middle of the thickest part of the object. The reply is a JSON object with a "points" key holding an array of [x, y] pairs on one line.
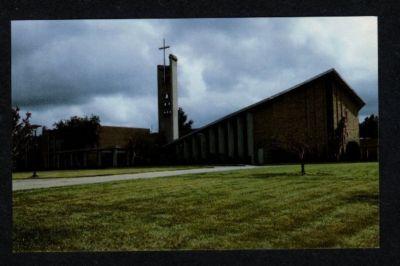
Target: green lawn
{"points": [[333, 206], [97, 172]]}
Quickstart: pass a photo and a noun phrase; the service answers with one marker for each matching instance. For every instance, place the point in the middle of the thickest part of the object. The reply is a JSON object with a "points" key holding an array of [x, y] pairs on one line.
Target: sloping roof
{"points": [[331, 72]]}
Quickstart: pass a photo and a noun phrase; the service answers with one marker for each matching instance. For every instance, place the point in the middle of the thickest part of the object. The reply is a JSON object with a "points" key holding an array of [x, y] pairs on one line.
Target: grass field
{"points": [[97, 172], [333, 206]]}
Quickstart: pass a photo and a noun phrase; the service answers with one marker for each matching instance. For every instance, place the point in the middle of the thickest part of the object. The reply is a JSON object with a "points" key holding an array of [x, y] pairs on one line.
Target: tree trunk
{"points": [[303, 172]]}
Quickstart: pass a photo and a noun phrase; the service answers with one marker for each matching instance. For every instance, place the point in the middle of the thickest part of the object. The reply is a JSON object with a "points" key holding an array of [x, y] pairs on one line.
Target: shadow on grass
{"points": [[320, 174], [270, 175], [37, 237], [291, 174], [363, 198]]}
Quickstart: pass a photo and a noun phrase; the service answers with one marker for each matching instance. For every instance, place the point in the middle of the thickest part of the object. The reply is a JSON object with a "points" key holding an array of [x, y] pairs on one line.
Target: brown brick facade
{"points": [[343, 106], [300, 114], [112, 149], [309, 114], [110, 137]]}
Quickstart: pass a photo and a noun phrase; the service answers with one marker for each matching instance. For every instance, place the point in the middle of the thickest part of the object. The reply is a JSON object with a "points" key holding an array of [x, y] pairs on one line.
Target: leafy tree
{"points": [[369, 127], [22, 133], [79, 132], [339, 138], [185, 127]]}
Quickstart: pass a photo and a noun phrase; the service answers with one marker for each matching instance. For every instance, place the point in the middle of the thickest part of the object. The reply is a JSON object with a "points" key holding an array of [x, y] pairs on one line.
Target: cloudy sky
{"points": [[108, 67]]}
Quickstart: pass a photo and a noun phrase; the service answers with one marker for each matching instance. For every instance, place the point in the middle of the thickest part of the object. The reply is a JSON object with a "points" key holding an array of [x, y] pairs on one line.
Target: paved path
{"points": [[60, 182]]}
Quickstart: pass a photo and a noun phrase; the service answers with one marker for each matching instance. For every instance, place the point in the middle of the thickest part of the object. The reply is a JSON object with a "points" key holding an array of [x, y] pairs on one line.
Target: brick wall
{"points": [[299, 114], [118, 136], [305, 114], [344, 106]]}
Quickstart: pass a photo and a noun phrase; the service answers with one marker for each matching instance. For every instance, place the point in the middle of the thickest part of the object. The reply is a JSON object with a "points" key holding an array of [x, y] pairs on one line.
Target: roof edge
{"points": [[351, 90]]}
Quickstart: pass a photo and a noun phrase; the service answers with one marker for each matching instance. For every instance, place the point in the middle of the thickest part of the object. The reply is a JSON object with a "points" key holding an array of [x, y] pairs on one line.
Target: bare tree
{"points": [[301, 149], [292, 144]]}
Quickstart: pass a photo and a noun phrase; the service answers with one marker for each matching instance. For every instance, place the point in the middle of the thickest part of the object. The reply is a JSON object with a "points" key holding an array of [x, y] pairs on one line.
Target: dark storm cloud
{"points": [[60, 68], [240, 48], [70, 62]]}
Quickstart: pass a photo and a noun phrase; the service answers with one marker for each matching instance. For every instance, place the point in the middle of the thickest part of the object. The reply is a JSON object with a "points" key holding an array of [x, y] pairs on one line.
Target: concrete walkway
{"points": [[60, 182]]}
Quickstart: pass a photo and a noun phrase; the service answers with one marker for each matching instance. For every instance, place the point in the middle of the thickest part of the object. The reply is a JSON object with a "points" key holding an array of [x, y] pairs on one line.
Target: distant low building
{"points": [[369, 149], [112, 149]]}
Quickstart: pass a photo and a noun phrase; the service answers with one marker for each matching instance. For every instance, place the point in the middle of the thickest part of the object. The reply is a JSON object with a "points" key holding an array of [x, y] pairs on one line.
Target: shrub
{"points": [[353, 152]]}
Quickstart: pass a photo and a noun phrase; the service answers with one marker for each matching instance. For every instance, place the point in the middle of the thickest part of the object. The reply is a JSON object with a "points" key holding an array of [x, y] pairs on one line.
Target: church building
{"points": [[309, 113]]}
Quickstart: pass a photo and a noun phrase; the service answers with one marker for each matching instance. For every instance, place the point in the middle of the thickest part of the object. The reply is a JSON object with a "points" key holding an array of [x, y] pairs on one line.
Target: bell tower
{"points": [[168, 99]]}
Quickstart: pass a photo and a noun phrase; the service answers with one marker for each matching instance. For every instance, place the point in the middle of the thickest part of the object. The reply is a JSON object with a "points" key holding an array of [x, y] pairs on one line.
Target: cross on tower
{"points": [[164, 48]]}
